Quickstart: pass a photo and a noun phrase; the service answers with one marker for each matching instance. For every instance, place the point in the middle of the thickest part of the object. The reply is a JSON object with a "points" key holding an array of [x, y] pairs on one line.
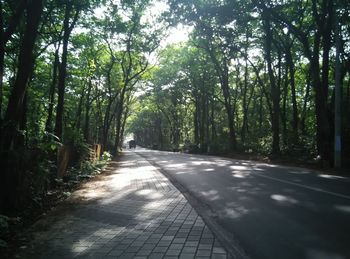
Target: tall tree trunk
{"points": [[312, 54], [305, 108], [223, 73], [284, 108], [261, 112], [125, 117], [207, 136], [87, 113], [202, 123], [119, 114], [49, 126], [107, 120], [295, 121], [228, 106], [160, 129], [275, 91], [106, 124], [63, 68], [321, 96], [10, 177], [323, 130], [80, 109], [5, 35], [245, 90], [196, 128], [25, 68], [212, 116], [21, 140]]}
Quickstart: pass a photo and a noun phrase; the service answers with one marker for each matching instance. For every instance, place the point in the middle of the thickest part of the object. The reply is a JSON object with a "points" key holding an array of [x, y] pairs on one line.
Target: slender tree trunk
{"points": [[87, 113], [321, 93], [347, 100], [295, 121], [228, 106], [202, 123], [160, 136], [275, 91], [49, 126], [21, 140], [119, 114], [284, 108], [106, 124], [80, 109], [223, 74], [244, 106], [125, 116], [213, 129], [244, 103], [323, 130], [107, 120], [195, 117], [304, 112], [261, 111], [63, 68]]}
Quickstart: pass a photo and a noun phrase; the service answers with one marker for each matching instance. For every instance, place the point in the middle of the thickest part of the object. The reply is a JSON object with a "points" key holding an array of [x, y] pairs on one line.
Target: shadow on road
{"points": [[271, 211]]}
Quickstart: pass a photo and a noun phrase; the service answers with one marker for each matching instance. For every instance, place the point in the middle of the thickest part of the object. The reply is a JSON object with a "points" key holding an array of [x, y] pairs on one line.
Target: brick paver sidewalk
{"points": [[134, 212]]}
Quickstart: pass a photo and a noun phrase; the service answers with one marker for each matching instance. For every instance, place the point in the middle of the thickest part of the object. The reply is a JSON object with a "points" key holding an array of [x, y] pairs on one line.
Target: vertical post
{"points": [[337, 108]]}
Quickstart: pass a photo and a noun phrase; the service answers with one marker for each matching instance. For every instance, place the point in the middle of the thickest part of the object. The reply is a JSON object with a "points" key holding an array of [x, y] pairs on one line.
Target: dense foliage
{"points": [[254, 76], [68, 71]]}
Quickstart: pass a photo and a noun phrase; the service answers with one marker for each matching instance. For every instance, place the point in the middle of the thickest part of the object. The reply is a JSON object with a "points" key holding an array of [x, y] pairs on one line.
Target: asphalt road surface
{"points": [[262, 210]]}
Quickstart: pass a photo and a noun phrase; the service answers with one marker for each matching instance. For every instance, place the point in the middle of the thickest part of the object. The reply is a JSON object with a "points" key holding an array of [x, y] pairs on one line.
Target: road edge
{"points": [[229, 243]]}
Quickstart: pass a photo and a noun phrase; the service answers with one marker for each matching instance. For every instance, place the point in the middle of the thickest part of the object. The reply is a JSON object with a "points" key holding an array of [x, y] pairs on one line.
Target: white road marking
{"points": [[273, 178], [304, 186]]}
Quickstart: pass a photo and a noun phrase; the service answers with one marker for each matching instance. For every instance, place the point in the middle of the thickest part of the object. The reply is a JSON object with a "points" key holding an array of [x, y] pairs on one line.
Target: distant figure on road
{"points": [[132, 144]]}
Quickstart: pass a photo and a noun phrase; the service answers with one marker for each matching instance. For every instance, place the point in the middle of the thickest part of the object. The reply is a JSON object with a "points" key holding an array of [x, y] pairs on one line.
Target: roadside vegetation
{"points": [[253, 77]]}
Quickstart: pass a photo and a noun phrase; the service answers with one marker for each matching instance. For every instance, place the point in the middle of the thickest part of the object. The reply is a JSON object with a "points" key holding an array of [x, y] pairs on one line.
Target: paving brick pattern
{"points": [[139, 214]]}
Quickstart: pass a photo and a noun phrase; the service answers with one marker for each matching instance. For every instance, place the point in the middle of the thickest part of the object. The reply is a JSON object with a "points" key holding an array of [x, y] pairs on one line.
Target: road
{"points": [[263, 210]]}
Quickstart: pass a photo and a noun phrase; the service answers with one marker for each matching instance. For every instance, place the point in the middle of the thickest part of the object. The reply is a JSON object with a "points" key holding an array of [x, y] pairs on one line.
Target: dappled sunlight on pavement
{"points": [[131, 211], [270, 211]]}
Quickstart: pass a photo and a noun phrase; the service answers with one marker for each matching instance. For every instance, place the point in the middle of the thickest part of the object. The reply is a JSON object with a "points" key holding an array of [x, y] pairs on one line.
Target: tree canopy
{"points": [[253, 77]]}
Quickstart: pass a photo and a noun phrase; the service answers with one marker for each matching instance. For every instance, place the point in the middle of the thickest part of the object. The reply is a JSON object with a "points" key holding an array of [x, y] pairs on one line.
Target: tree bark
{"points": [[284, 108], [49, 126], [87, 113], [196, 128], [275, 91], [221, 68], [63, 68], [107, 120], [10, 177], [244, 128], [295, 121], [119, 113], [5, 35], [305, 108], [312, 54], [25, 68]]}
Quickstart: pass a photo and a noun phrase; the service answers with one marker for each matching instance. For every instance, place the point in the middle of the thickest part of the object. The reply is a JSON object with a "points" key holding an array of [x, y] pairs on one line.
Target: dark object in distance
{"points": [[132, 144]]}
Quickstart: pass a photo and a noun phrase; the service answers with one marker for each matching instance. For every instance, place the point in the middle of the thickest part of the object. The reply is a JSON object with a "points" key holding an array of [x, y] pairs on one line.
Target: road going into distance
{"points": [[262, 210]]}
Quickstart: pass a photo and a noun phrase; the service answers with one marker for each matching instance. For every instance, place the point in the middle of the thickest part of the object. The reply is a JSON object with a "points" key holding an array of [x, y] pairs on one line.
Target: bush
{"points": [[106, 156], [6, 227]]}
